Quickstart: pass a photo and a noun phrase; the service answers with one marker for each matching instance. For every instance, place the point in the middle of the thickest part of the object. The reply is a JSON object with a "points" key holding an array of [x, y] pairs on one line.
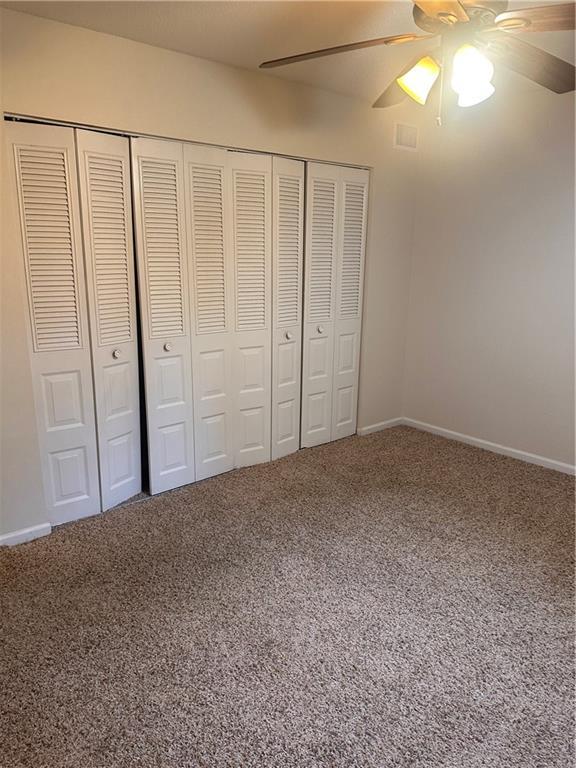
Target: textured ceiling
{"points": [[244, 33]]}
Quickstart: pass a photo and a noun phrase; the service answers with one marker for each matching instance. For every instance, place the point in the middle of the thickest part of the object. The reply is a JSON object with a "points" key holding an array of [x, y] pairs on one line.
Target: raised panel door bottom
{"points": [[69, 476], [251, 429], [213, 439], [286, 421], [172, 447], [121, 460], [344, 406], [317, 412]]}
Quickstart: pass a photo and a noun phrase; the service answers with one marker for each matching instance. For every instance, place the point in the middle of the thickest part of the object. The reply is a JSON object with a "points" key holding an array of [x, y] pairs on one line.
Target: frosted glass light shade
{"points": [[471, 75], [418, 81]]}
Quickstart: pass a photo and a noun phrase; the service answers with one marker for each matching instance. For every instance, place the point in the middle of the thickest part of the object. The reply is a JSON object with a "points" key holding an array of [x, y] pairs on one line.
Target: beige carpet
{"points": [[392, 601]]}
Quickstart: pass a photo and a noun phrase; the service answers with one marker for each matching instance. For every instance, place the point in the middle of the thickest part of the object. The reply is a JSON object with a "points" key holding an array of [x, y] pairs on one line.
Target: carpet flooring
{"points": [[391, 601]]}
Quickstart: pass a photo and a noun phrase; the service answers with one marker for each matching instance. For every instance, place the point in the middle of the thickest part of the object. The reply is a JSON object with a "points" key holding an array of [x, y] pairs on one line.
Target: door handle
{"points": [[320, 329], [287, 335], [116, 353], [167, 346]]}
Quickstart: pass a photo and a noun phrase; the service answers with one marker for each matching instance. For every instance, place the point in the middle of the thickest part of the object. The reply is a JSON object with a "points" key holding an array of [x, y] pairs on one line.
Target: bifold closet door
{"points": [[44, 228], [106, 201], [337, 199], [158, 176], [250, 179], [210, 251], [319, 299], [353, 205], [228, 202], [287, 267]]}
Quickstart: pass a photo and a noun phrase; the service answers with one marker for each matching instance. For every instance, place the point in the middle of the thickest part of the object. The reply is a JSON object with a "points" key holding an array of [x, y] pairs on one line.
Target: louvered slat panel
{"points": [[289, 245], [352, 249], [50, 259], [162, 247], [321, 249], [208, 245], [250, 247], [106, 187]]}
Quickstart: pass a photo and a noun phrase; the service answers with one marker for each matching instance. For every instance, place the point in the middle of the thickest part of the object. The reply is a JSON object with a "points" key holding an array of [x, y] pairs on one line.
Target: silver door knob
{"points": [[116, 353], [167, 347], [320, 329], [288, 335]]}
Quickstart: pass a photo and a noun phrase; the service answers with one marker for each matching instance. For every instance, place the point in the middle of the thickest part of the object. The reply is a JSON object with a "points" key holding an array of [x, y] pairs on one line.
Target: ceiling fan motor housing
{"points": [[480, 12]]}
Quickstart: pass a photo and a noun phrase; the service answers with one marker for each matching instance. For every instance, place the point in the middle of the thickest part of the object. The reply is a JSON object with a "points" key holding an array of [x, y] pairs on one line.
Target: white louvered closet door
{"points": [[322, 187], [45, 228], [209, 227], [163, 287], [287, 266], [250, 179], [105, 193], [352, 213]]}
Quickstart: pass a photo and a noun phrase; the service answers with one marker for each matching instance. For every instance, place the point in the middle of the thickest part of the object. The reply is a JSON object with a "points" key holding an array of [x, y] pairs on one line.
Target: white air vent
{"points": [[405, 137]]}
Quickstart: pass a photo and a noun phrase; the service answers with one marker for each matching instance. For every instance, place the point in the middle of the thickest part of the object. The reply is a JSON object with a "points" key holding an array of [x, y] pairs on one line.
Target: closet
{"points": [[231, 330], [336, 212], [158, 169], [106, 205], [82, 342], [228, 203]]}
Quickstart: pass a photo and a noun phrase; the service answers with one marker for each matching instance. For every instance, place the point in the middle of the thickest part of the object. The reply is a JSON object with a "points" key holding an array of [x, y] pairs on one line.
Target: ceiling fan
{"points": [[473, 35]]}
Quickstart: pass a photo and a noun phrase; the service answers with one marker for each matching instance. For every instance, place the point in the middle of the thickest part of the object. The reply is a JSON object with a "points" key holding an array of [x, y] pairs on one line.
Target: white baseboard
{"points": [[514, 453], [505, 450], [25, 534], [380, 426]]}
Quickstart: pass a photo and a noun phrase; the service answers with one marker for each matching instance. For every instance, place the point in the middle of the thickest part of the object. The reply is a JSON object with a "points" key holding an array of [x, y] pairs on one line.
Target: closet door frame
{"points": [[106, 205]]}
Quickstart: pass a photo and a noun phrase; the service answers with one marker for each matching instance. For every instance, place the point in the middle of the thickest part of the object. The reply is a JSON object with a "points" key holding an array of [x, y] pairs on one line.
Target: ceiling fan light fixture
{"points": [[476, 95], [418, 81], [471, 76]]}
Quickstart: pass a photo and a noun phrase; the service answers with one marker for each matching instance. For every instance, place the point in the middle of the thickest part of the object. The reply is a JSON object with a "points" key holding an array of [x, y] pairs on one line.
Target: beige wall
{"points": [[490, 341], [57, 71]]}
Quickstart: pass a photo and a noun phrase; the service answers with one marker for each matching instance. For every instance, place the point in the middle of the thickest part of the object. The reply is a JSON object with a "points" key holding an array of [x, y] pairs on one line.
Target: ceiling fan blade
{"points": [[443, 10], [392, 95], [393, 40], [543, 18], [553, 73]]}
